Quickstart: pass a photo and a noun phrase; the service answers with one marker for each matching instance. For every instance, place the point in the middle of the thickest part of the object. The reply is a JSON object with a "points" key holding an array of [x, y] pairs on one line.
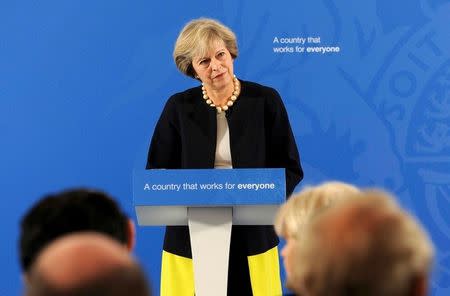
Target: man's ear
{"points": [[131, 235], [25, 278]]}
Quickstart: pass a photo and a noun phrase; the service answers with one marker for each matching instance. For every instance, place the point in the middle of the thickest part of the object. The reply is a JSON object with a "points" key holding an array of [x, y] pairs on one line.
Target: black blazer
{"points": [[260, 137]]}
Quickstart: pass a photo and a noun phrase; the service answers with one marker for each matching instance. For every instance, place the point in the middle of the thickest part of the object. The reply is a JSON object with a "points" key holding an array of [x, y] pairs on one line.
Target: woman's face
{"points": [[215, 69]]}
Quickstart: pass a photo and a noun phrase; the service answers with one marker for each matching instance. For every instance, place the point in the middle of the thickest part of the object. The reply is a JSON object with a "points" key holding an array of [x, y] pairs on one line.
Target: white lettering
{"points": [[212, 186], [283, 49], [166, 187], [321, 49], [256, 187], [297, 40]]}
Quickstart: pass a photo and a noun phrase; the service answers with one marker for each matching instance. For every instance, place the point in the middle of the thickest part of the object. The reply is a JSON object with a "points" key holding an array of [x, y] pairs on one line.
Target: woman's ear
{"points": [[131, 235]]}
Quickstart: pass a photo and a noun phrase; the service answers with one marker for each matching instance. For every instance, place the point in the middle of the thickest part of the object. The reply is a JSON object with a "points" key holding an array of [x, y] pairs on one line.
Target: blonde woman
{"points": [[293, 217]]}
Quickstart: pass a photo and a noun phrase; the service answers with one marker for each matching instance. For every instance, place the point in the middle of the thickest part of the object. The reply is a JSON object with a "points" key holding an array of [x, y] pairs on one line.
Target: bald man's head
{"points": [[365, 246], [86, 264]]}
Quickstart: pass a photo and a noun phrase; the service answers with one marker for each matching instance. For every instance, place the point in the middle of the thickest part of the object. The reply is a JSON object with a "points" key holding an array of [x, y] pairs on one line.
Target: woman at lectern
{"points": [[225, 122]]}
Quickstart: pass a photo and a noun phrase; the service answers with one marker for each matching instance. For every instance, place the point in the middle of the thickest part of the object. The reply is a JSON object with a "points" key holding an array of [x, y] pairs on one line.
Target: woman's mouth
{"points": [[219, 75]]}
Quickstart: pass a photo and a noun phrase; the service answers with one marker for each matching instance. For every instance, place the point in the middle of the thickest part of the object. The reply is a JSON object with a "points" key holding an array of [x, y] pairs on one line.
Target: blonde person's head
{"points": [[196, 38], [300, 208]]}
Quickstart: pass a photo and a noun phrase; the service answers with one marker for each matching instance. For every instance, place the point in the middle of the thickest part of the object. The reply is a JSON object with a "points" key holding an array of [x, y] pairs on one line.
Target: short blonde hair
{"points": [[365, 246], [300, 208], [196, 38]]}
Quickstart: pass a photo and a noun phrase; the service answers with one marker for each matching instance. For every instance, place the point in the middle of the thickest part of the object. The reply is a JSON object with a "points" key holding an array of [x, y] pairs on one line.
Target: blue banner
{"points": [[366, 86]]}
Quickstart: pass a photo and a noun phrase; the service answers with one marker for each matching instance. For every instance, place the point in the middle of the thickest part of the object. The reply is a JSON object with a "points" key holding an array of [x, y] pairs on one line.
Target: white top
{"points": [[223, 152]]}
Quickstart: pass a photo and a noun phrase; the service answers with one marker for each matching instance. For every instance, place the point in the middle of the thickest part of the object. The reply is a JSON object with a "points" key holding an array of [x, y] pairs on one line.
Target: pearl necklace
{"points": [[230, 100]]}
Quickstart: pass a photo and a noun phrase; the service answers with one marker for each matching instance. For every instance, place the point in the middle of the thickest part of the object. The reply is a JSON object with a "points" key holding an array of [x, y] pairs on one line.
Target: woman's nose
{"points": [[214, 65]]}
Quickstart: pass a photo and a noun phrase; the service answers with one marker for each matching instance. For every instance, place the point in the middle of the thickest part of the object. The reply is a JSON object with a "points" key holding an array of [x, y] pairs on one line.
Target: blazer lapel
{"points": [[203, 123]]}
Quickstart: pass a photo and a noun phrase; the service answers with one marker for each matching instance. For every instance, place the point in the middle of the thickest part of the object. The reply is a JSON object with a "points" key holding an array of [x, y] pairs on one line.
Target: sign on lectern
{"points": [[161, 197]]}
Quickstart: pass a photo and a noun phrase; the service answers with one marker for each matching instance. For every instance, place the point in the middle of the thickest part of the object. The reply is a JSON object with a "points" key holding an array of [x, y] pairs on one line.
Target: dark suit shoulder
{"points": [[258, 90], [253, 88], [189, 103], [177, 103], [186, 96]]}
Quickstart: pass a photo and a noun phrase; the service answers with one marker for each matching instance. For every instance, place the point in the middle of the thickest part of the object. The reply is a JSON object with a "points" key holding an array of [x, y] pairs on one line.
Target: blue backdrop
{"points": [[82, 84]]}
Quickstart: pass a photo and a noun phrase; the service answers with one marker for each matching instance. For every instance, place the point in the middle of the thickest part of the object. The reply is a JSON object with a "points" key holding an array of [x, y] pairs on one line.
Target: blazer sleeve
{"points": [[283, 152], [165, 148]]}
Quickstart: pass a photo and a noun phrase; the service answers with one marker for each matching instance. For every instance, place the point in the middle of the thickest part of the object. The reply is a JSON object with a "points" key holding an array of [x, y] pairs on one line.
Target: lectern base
{"points": [[210, 231]]}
